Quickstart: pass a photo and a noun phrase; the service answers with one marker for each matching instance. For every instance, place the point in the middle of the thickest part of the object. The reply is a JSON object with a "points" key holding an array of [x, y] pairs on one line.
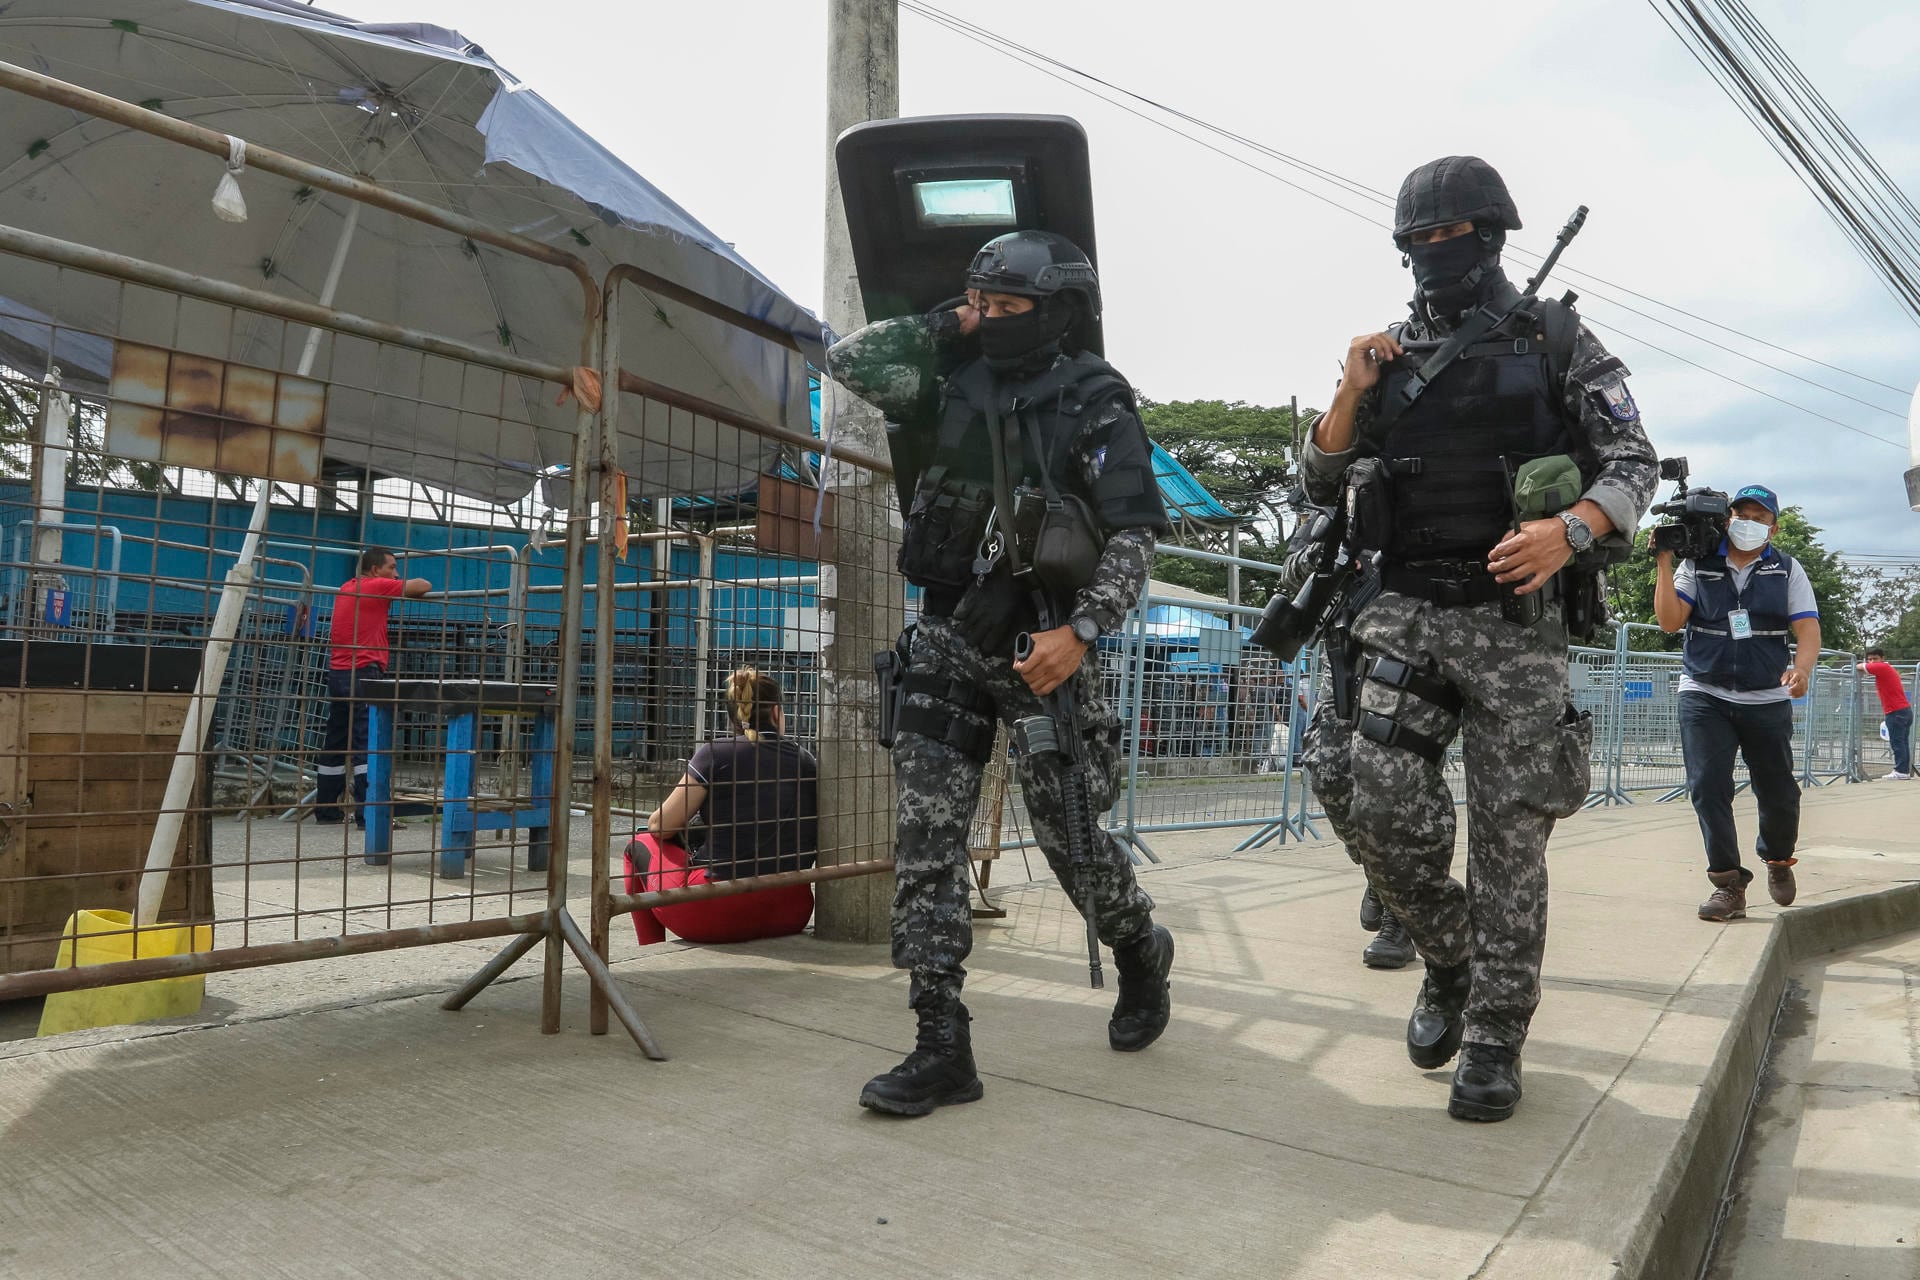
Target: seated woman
{"points": [[758, 795]]}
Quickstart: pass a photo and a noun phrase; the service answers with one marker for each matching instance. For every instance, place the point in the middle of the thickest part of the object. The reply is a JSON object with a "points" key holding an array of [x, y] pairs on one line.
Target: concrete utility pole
{"points": [[862, 602]]}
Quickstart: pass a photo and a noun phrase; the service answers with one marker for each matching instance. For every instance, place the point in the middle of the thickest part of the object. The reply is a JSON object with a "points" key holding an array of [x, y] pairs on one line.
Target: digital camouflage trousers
{"points": [[1526, 761], [938, 789]]}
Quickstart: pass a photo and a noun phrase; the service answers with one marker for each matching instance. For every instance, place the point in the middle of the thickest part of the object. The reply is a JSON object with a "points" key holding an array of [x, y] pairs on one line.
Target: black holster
{"points": [[890, 665], [1583, 596]]}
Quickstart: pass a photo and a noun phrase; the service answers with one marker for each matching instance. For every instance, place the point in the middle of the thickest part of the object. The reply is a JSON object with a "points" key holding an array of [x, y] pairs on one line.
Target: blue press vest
{"points": [[1712, 655]]}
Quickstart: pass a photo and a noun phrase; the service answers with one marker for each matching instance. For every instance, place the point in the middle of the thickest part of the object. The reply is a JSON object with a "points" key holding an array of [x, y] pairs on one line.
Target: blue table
{"points": [[462, 814]]}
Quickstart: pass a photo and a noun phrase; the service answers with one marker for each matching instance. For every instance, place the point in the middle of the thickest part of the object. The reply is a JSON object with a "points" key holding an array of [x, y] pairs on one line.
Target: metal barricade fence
{"points": [[1646, 748], [810, 599], [1633, 696], [105, 749], [1875, 749]]}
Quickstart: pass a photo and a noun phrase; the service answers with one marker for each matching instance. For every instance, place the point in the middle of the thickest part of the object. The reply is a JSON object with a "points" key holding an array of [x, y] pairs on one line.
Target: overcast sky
{"points": [[1222, 283]]}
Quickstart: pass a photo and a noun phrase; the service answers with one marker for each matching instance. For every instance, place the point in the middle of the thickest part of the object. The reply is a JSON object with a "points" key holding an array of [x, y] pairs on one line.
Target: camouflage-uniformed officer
{"points": [[1012, 354], [1326, 755], [1444, 654]]}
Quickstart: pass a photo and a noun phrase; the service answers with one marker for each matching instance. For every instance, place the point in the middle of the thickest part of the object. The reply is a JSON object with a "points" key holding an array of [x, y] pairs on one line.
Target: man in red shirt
{"points": [[1896, 708], [357, 650]]}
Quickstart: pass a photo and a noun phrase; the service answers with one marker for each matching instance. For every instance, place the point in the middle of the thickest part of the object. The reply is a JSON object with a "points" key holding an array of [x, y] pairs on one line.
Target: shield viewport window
{"points": [[964, 202]]}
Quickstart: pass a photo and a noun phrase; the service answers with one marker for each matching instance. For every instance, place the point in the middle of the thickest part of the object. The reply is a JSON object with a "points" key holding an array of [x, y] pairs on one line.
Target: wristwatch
{"points": [[1085, 629], [1579, 535]]}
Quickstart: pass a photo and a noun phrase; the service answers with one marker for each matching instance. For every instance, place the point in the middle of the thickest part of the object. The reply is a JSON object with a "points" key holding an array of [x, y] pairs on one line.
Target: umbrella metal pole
{"points": [[602, 996], [226, 624], [703, 640]]}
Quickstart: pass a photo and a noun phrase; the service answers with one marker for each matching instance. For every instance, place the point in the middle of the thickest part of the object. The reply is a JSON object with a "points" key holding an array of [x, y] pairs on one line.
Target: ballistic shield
{"points": [[924, 194]]}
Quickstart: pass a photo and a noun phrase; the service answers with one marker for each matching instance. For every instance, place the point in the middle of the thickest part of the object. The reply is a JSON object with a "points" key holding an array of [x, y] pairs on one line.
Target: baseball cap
{"points": [[1758, 493]]}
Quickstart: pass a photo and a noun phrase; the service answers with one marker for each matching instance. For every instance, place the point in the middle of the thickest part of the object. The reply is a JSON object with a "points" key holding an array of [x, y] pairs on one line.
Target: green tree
{"points": [[1836, 591], [1244, 456], [1883, 594], [1902, 640], [19, 409]]}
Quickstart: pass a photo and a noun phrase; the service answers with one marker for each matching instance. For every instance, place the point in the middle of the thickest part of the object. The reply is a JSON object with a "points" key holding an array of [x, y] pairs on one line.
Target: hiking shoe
{"points": [[1486, 1086], [1728, 900], [1439, 1016], [1145, 1004], [1370, 910], [938, 1073], [1780, 886], [1391, 948]]}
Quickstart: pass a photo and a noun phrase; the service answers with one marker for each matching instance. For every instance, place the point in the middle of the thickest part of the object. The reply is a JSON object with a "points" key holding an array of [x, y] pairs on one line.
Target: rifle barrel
{"points": [[1560, 243]]}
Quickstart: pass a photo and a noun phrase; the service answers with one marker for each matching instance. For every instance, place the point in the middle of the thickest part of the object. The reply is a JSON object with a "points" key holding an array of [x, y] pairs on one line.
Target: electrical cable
{"points": [[1045, 64], [1778, 99]]}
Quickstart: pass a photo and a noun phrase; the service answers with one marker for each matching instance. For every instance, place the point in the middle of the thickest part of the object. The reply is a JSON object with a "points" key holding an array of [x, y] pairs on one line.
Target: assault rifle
{"points": [[1058, 733]]}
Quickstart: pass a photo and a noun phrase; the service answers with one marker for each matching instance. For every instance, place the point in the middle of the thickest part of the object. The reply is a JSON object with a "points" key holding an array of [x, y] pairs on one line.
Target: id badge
{"points": [[1739, 625]]}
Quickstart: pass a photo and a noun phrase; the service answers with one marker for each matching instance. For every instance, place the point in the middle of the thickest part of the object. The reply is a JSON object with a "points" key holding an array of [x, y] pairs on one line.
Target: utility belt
{"points": [[1454, 584], [1578, 593], [962, 716]]}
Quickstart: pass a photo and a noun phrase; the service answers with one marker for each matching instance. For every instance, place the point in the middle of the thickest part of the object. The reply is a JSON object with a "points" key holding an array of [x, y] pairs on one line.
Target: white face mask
{"points": [[1747, 535]]}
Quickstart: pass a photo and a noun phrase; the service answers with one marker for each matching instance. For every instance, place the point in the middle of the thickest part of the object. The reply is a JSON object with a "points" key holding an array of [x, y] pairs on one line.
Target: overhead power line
{"points": [[1803, 129], [1132, 102]]}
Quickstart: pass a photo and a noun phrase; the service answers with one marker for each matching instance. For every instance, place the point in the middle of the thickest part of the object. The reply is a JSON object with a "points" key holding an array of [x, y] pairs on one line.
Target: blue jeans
{"points": [[1900, 735], [345, 745], [1711, 731]]}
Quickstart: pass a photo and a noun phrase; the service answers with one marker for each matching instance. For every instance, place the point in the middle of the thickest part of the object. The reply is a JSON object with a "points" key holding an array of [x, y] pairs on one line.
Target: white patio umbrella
{"points": [[425, 113]]}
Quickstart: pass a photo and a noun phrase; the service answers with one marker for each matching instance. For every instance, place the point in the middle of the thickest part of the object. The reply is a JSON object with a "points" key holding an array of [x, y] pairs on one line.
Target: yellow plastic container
{"points": [[102, 937]]}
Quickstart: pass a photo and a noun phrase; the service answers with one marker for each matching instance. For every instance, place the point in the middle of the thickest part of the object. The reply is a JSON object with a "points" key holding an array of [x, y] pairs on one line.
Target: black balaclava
{"points": [[1028, 342], [1451, 276]]}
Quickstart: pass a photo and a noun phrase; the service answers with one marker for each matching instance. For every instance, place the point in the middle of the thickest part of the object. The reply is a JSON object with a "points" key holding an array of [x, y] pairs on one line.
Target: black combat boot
{"points": [[1487, 1084], [1391, 948], [1370, 910], [938, 1073], [1439, 1016], [1141, 1012]]}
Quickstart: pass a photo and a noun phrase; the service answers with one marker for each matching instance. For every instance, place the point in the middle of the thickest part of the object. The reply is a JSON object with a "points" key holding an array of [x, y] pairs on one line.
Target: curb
{"points": [[1630, 1152]]}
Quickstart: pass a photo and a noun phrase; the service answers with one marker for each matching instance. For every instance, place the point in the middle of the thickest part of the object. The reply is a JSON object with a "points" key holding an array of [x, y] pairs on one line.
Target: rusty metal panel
{"points": [[195, 411], [784, 523]]}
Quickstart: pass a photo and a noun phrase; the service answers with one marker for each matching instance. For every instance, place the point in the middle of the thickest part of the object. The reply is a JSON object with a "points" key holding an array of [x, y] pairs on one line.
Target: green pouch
{"points": [[1546, 486]]}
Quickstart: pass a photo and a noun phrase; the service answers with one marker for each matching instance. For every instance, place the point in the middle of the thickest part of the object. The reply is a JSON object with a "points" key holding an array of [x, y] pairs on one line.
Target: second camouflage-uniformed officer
{"points": [[1007, 363], [1458, 641]]}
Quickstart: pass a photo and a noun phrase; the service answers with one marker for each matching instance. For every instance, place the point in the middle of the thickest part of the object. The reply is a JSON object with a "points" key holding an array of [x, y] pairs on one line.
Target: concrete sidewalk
{"points": [[1277, 1130]]}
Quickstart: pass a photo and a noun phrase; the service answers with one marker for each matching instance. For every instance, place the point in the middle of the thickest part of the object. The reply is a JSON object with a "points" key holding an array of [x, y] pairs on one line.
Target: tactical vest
{"points": [[1712, 655], [954, 495], [1451, 453]]}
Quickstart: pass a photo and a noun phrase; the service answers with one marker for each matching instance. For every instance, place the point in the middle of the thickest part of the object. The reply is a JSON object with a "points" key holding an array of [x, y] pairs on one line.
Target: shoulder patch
{"points": [[1612, 398]]}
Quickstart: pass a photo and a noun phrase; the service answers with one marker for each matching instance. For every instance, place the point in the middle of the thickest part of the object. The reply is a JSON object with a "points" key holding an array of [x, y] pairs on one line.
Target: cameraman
{"points": [[1738, 689]]}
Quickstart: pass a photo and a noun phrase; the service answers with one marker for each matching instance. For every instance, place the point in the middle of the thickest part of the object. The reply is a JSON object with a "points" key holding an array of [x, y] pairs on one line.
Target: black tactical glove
{"points": [[992, 613]]}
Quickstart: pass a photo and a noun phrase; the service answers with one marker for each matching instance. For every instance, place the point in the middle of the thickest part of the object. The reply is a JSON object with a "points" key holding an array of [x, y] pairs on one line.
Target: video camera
{"points": [[1694, 521]]}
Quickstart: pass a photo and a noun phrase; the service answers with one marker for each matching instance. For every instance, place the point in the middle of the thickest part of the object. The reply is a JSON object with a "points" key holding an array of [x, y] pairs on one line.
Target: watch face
{"points": [[1085, 630]]}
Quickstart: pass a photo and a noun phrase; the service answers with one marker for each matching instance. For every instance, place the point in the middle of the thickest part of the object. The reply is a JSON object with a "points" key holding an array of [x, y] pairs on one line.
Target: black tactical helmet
{"points": [[1035, 264], [1449, 190]]}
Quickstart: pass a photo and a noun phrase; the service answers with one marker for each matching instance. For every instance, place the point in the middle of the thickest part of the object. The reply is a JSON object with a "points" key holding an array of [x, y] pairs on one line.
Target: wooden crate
{"points": [[82, 776]]}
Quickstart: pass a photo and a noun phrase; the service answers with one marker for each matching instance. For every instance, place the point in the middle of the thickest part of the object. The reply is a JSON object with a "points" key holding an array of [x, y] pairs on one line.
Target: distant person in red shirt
{"points": [[1895, 707], [357, 650]]}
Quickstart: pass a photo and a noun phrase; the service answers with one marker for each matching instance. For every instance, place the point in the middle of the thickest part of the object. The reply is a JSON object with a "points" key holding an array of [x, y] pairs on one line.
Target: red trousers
{"points": [[763, 913]]}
